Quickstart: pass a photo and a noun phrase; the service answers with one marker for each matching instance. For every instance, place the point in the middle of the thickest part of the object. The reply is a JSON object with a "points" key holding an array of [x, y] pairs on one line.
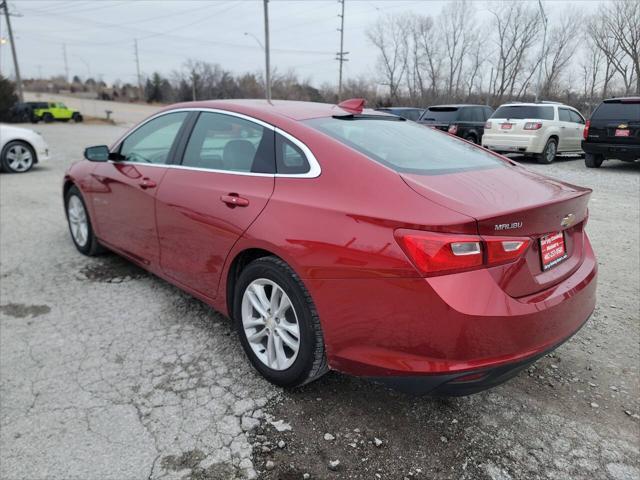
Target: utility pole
{"points": [[13, 51], [66, 64], [544, 46], [341, 54], [266, 51], [140, 87]]}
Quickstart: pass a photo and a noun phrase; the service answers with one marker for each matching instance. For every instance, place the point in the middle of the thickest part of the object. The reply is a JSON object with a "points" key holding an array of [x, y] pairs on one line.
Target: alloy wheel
{"points": [[551, 152], [19, 158], [78, 220], [270, 324]]}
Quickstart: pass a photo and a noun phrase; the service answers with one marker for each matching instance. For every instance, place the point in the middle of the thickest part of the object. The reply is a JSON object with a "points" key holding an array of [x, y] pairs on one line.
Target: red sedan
{"points": [[346, 239]]}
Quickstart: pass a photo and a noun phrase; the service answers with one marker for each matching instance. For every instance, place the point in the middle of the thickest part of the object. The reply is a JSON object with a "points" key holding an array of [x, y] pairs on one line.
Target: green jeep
{"points": [[49, 111]]}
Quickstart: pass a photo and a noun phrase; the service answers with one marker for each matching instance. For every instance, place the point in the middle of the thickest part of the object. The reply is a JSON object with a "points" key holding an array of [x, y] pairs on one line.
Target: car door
{"points": [[205, 204], [124, 198], [567, 133], [578, 128]]}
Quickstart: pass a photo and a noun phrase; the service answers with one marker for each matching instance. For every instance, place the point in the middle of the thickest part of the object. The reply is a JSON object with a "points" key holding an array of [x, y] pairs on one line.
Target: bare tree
{"points": [[516, 25], [622, 19], [459, 35], [388, 35], [428, 45], [562, 45]]}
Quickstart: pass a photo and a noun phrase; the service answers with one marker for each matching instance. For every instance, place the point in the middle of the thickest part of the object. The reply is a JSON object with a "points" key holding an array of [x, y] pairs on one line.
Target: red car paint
{"points": [[380, 316]]}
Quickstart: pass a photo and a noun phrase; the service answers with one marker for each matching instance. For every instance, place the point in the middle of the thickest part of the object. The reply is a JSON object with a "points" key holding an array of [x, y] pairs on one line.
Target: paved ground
{"points": [[107, 372]]}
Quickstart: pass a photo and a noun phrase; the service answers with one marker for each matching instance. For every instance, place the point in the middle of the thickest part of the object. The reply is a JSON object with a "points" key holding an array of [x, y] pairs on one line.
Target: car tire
{"points": [[17, 157], [79, 223], [548, 155], [47, 118], [593, 161], [471, 138], [76, 117], [259, 282]]}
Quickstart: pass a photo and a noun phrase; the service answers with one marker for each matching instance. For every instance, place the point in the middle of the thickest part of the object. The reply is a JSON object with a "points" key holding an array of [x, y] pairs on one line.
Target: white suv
{"points": [[538, 129]]}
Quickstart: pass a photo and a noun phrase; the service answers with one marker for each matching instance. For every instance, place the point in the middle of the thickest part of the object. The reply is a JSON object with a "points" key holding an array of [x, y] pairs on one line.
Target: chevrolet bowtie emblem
{"points": [[623, 125], [568, 220]]}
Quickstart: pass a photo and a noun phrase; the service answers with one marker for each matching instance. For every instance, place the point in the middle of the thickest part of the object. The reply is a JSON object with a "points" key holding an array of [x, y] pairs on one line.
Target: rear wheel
{"points": [[278, 324], [47, 117], [593, 161], [76, 117], [17, 157], [471, 138], [548, 155], [80, 224]]}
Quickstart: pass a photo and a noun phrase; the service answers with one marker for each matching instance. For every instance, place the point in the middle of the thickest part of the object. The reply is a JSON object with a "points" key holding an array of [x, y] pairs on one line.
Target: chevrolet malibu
{"points": [[337, 237]]}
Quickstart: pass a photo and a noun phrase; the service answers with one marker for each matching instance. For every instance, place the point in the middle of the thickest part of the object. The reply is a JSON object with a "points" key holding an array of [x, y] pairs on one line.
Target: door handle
{"points": [[234, 200], [147, 183]]}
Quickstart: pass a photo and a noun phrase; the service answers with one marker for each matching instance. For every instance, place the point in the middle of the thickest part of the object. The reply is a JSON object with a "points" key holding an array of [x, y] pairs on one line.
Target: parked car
{"points": [[542, 130], [410, 113], [50, 111], [21, 149], [465, 121], [346, 239], [613, 132]]}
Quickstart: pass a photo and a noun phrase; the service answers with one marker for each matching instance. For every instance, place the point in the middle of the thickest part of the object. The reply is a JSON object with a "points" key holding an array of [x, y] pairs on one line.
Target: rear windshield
{"points": [[406, 146], [617, 111], [440, 114], [524, 111]]}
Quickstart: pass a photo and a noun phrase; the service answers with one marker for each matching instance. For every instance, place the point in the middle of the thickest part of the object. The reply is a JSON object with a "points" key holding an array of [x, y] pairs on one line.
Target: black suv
{"points": [[466, 121], [613, 132], [410, 113]]}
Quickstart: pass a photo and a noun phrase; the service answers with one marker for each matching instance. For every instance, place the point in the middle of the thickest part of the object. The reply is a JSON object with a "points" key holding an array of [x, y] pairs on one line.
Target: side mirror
{"points": [[99, 153]]}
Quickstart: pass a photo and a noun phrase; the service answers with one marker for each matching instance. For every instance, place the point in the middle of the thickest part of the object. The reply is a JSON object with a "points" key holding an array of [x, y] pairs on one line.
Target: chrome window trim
{"points": [[314, 166]]}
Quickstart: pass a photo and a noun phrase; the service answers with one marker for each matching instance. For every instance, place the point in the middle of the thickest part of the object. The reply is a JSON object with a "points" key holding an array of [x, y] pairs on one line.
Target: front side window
{"points": [[151, 143], [406, 146], [565, 115], [229, 143], [518, 112], [576, 117]]}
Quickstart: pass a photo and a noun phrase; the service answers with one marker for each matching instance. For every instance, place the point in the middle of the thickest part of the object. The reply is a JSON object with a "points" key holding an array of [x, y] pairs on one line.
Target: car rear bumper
{"points": [[622, 152], [449, 325], [506, 143], [466, 383]]}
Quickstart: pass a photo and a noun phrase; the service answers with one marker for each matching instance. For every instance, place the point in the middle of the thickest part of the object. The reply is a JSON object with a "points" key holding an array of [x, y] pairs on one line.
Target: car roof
{"points": [[382, 109], [622, 99], [534, 104], [260, 108]]}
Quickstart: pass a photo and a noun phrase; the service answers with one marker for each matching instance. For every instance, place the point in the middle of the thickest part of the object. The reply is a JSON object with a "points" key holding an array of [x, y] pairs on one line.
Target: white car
{"points": [[537, 129], [21, 149]]}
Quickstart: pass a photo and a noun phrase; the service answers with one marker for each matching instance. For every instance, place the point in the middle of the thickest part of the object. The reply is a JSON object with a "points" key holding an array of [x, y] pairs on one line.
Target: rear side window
{"points": [[440, 114], [517, 112], [406, 146], [229, 143], [617, 111], [290, 159]]}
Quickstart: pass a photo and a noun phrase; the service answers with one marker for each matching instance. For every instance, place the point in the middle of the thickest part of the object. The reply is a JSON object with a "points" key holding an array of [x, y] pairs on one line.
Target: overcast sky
{"points": [[99, 35]]}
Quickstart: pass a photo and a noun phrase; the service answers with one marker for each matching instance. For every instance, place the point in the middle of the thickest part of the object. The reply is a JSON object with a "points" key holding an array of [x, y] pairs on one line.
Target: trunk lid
{"points": [[515, 202]]}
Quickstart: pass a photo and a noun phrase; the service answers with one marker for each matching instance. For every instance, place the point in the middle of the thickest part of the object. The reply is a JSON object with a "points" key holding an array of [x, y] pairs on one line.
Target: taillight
{"points": [[487, 126], [453, 129], [442, 253], [533, 125], [585, 132]]}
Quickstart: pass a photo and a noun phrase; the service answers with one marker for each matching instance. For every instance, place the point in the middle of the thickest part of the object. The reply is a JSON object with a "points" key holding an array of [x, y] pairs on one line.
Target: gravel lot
{"points": [[107, 372]]}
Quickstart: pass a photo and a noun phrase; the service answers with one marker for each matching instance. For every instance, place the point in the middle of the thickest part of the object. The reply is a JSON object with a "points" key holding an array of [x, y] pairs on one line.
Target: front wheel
{"points": [[47, 117], [77, 117], [17, 157], [548, 155], [278, 324], [80, 224], [593, 161]]}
